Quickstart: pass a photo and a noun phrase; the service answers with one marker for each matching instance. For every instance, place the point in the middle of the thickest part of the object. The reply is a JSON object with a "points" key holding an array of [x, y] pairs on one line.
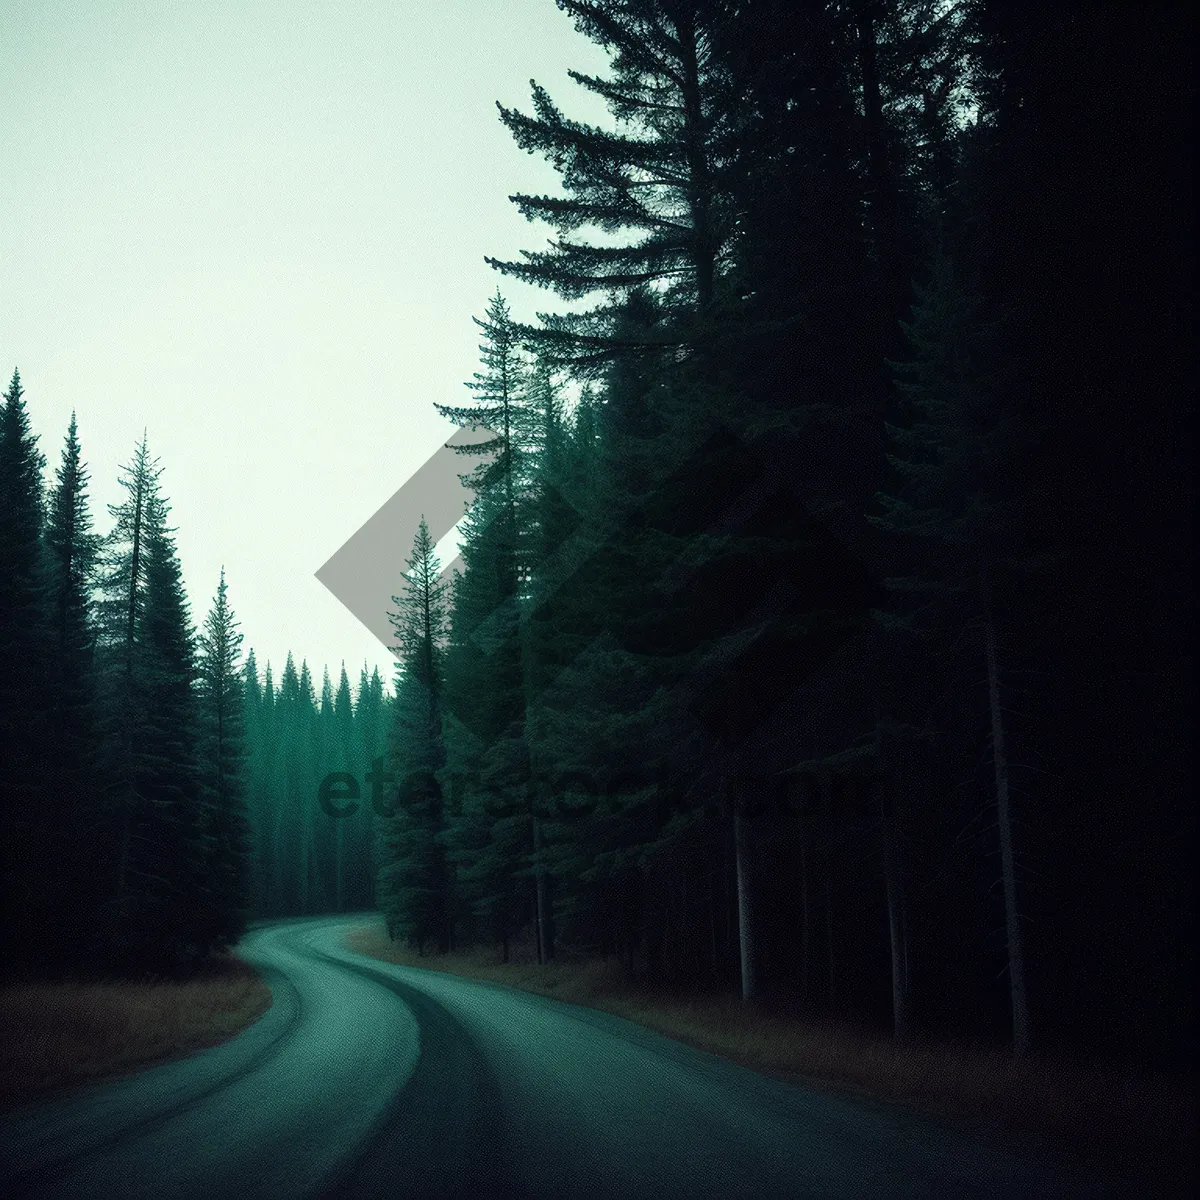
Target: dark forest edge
{"points": [[157, 792], [865, 472], [1136, 1127]]}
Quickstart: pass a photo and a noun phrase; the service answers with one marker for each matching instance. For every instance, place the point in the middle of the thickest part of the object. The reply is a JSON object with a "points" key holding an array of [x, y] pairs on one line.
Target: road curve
{"points": [[366, 1079]]}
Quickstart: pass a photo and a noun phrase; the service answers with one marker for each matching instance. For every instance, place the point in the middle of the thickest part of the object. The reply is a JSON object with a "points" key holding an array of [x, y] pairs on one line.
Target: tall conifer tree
{"points": [[414, 879], [24, 665], [660, 181], [122, 660], [167, 860], [222, 695], [73, 815], [952, 457]]}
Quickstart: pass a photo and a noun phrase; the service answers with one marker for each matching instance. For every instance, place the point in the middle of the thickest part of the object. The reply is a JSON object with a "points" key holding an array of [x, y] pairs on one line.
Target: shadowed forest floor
{"points": [[55, 1036], [1105, 1118]]}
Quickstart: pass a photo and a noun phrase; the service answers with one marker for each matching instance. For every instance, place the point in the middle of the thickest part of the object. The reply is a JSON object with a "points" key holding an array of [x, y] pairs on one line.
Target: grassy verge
{"points": [[1104, 1118], [57, 1035]]}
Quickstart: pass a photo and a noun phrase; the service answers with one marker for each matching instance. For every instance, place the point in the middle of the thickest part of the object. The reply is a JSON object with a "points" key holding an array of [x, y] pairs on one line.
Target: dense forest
{"points": [[158, 792], [821, 625]]}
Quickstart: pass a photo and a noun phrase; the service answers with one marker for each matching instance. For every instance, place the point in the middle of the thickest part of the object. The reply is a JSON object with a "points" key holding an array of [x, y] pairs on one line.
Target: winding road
{"points": [[365, 1079]]}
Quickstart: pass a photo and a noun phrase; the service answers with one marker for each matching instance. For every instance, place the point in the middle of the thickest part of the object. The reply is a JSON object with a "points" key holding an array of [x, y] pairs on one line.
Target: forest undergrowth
{"points": [[55, 1036]]}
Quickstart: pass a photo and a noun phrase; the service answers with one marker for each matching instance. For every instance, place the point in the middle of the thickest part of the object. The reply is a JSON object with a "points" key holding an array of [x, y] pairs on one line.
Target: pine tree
{"points": [[489, 634], [363, 694], [292, 774], [153, 840], [953, 461], [660, 182], [251, 683], [599, 660], [345, 758], [73, 817], [257, 778], [486, 701], [267, 809], [806, 341], [498, 405], [122, 679], [125, 558], [72, 550], [370, 740], [308, 695], [303, 779], [414, 879], [226, 826], [343, 704], [326, 832], [24, 665], [269, 694], [555, 542], [166, 867]]}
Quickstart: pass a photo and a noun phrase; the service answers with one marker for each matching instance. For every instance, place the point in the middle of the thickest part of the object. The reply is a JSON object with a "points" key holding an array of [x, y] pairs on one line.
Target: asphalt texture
{"points": [[366, 1079]]}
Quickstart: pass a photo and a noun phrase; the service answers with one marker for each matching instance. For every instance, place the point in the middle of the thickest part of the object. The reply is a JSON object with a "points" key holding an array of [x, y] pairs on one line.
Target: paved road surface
{"points": [[366, 1079]]}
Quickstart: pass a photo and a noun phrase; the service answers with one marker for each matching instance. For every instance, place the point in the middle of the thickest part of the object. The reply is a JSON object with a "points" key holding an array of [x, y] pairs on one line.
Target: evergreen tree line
{"points": [[313, 848], [156, 793], [804, 640], [125, 840]]}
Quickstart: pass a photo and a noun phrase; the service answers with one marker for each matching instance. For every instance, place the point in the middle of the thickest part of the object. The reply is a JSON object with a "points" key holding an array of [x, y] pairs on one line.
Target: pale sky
{"points": [[256, 228]]}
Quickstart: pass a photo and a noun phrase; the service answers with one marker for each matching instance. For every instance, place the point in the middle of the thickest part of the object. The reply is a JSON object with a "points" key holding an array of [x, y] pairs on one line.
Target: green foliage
{"points": [[162, 883], [951, 452], [225, 825], [657, 185], [72, 818], [414, 875], [72, 550], [955, 453], [24, 668], [499, 405]]}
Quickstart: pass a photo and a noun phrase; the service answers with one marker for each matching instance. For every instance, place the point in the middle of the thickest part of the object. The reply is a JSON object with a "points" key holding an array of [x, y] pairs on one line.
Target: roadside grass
{"points": [[54, 1036], [1143, 1126]]}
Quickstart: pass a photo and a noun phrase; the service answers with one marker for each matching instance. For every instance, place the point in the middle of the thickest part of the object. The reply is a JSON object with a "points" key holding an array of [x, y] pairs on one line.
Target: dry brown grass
{"points": [[1104, 1117], [56, 1035]]}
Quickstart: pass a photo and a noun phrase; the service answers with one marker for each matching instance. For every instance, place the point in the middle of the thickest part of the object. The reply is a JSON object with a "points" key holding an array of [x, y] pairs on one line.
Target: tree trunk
{"points": [[537, 920], [1012, 919], [545, 937], [122, 889], [683, 962], [893, 879], [339, 897], [827, 804], [279, 870], [741, 841], [805, 915], [305, 863]]}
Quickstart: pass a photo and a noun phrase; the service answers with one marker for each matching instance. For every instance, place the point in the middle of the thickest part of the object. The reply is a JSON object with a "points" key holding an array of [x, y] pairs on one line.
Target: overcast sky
{"points": [[256, 228]]}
